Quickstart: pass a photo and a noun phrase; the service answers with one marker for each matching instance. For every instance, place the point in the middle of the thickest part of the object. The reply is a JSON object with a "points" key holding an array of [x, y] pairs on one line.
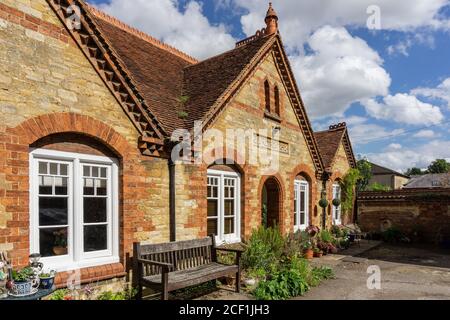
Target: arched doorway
{"points": [[270, 203]]}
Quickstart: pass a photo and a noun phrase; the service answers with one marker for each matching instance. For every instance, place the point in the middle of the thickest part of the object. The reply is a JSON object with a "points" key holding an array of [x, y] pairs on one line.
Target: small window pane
{"points": [[101, 187], [45, 185], [86, 171], [95, 172], [213, 208], [60, 186], [54, 168], [94, 210], [103, 172], [229, 207], [88, 187], [229, 225], [43, 168], [212, 226], [53, 211], [53, 242], [63, 169], [95, 238]]}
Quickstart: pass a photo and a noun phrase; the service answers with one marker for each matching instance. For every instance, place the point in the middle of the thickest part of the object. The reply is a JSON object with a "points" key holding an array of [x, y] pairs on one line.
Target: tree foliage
{"points": [[348, 186], [365, 174], [439, 166], [414, 172]]}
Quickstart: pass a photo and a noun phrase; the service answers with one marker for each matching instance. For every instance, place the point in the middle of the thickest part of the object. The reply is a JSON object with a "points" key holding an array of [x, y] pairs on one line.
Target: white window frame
{"points": [[221, 238], [337, 211], [76, 257], [297, 191]]}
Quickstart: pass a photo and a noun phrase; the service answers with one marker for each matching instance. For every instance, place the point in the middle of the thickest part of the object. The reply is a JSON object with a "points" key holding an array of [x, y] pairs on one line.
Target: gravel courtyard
{"points": [[418, 273]]}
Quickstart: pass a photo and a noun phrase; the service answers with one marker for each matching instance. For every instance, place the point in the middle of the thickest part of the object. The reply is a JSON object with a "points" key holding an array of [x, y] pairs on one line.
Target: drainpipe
{"points": [[172, 213], [325, 178]]}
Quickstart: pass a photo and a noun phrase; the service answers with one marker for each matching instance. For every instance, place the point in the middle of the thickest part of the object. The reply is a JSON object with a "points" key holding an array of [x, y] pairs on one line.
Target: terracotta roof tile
{"points": [[205, 82], [157, 72], [329, 143]]}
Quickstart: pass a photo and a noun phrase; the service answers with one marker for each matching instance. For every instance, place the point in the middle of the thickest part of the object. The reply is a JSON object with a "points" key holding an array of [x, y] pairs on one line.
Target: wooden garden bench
{"points": [[171, 266]]}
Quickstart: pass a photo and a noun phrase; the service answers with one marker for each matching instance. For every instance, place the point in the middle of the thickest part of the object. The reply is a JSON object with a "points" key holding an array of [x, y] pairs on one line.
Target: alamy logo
{"points": [[74, 18], [374, 20], [374, 280]]}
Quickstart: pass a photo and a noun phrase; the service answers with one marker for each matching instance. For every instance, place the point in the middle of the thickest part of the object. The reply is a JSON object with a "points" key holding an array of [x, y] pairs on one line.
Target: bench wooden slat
{"points": [[174, 246], [192, 262]]}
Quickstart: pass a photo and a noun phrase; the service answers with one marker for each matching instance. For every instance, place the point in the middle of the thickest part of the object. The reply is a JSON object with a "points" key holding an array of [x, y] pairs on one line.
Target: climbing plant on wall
{"points": [[348, 185]]}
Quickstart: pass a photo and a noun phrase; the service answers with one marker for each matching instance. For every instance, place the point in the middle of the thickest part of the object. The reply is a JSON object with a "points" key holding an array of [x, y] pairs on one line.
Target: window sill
{"points": [[90, 275], [70, 266], [272, 116]]}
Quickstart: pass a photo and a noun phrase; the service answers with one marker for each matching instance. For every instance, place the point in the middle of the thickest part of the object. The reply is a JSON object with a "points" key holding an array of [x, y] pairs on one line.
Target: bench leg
{"points": [[139, 293], [164, 295], [165, 284], [238, 282]]}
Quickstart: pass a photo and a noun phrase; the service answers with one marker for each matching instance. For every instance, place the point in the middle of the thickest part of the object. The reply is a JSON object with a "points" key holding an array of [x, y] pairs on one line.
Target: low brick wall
{"points": [[421, 214]]}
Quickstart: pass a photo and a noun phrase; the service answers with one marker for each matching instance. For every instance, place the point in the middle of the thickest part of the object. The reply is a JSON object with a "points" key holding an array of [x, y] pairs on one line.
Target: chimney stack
{"points": [[271, 20]]}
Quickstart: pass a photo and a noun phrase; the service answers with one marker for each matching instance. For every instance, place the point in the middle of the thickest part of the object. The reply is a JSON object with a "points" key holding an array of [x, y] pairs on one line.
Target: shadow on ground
{"points": [[420, 255]]}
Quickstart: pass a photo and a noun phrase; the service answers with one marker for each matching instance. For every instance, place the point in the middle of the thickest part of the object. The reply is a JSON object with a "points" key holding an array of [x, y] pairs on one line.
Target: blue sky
{"points": [[391, 85]]}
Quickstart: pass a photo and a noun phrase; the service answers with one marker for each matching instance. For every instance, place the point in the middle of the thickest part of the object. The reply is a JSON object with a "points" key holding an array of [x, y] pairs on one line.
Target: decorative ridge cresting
{"points": [[339, 126], [141, 35]]}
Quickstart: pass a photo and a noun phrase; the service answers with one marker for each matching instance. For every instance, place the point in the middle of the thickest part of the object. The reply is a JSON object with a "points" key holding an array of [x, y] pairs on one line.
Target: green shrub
{"points": [[392, 235], [264, 249], [127, 294], [286, 283], [293, 279], [326, 236], [61, 294]]}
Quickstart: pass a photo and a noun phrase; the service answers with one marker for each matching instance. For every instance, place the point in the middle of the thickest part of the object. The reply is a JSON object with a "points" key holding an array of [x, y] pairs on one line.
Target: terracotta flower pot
{"points": [[60, 251], [318, 254], [309, 254]]}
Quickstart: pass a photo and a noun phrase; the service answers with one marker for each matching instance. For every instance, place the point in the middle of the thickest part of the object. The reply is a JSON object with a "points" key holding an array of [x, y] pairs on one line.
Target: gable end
{"points": [[115, 76]]}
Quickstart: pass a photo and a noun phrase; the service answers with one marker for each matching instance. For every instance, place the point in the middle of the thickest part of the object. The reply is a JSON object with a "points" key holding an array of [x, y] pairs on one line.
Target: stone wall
{"points": [[424, 212], [48, 87], [246, 111]]}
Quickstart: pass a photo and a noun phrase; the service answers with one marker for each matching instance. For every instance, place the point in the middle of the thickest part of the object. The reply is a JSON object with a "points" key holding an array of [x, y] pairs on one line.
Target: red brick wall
{"points": [[14, 195], [425, 211]]}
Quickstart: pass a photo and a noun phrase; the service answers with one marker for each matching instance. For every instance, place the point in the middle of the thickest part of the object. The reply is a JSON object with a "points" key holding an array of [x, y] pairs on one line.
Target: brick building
{"points": [[91, 113]]}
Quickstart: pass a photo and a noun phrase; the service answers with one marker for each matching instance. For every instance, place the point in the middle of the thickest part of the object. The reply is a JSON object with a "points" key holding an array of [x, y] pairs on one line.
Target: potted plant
{"points": [[60, 243], [336, 202], [47, 279], [318, 253], [24, 283], [323, 203], [308, 250]]}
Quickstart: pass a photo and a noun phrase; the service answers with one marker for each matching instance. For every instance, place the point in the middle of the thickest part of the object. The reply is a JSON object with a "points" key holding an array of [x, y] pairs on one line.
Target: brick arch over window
{"points": [[16, 200], [305, 171], [233, 162], [281, 195]]}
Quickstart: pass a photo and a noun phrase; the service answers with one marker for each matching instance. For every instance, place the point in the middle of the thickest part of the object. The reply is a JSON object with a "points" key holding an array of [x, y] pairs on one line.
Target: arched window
{"points": [[224, 202], [337, 216], [301, 204], [74, 206], [277, 101], [267, 95]]}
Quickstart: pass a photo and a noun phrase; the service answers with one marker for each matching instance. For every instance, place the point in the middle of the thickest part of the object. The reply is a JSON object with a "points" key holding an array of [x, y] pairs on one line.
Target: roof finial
{"points": [[271, 20]]}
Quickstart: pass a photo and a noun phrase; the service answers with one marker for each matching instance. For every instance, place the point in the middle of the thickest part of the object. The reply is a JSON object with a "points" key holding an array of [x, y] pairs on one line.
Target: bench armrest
{"points": [[230, 250], [164, 265]]}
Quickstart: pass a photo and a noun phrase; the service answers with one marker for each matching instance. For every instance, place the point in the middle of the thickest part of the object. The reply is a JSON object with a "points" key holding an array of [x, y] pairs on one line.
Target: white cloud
{"points": [[369, 132], [442, 91], [185, 28], [394, 146], [404, 108], [341, 70], [403, 46], [299, 18], [420, 156], [428, 134]]}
